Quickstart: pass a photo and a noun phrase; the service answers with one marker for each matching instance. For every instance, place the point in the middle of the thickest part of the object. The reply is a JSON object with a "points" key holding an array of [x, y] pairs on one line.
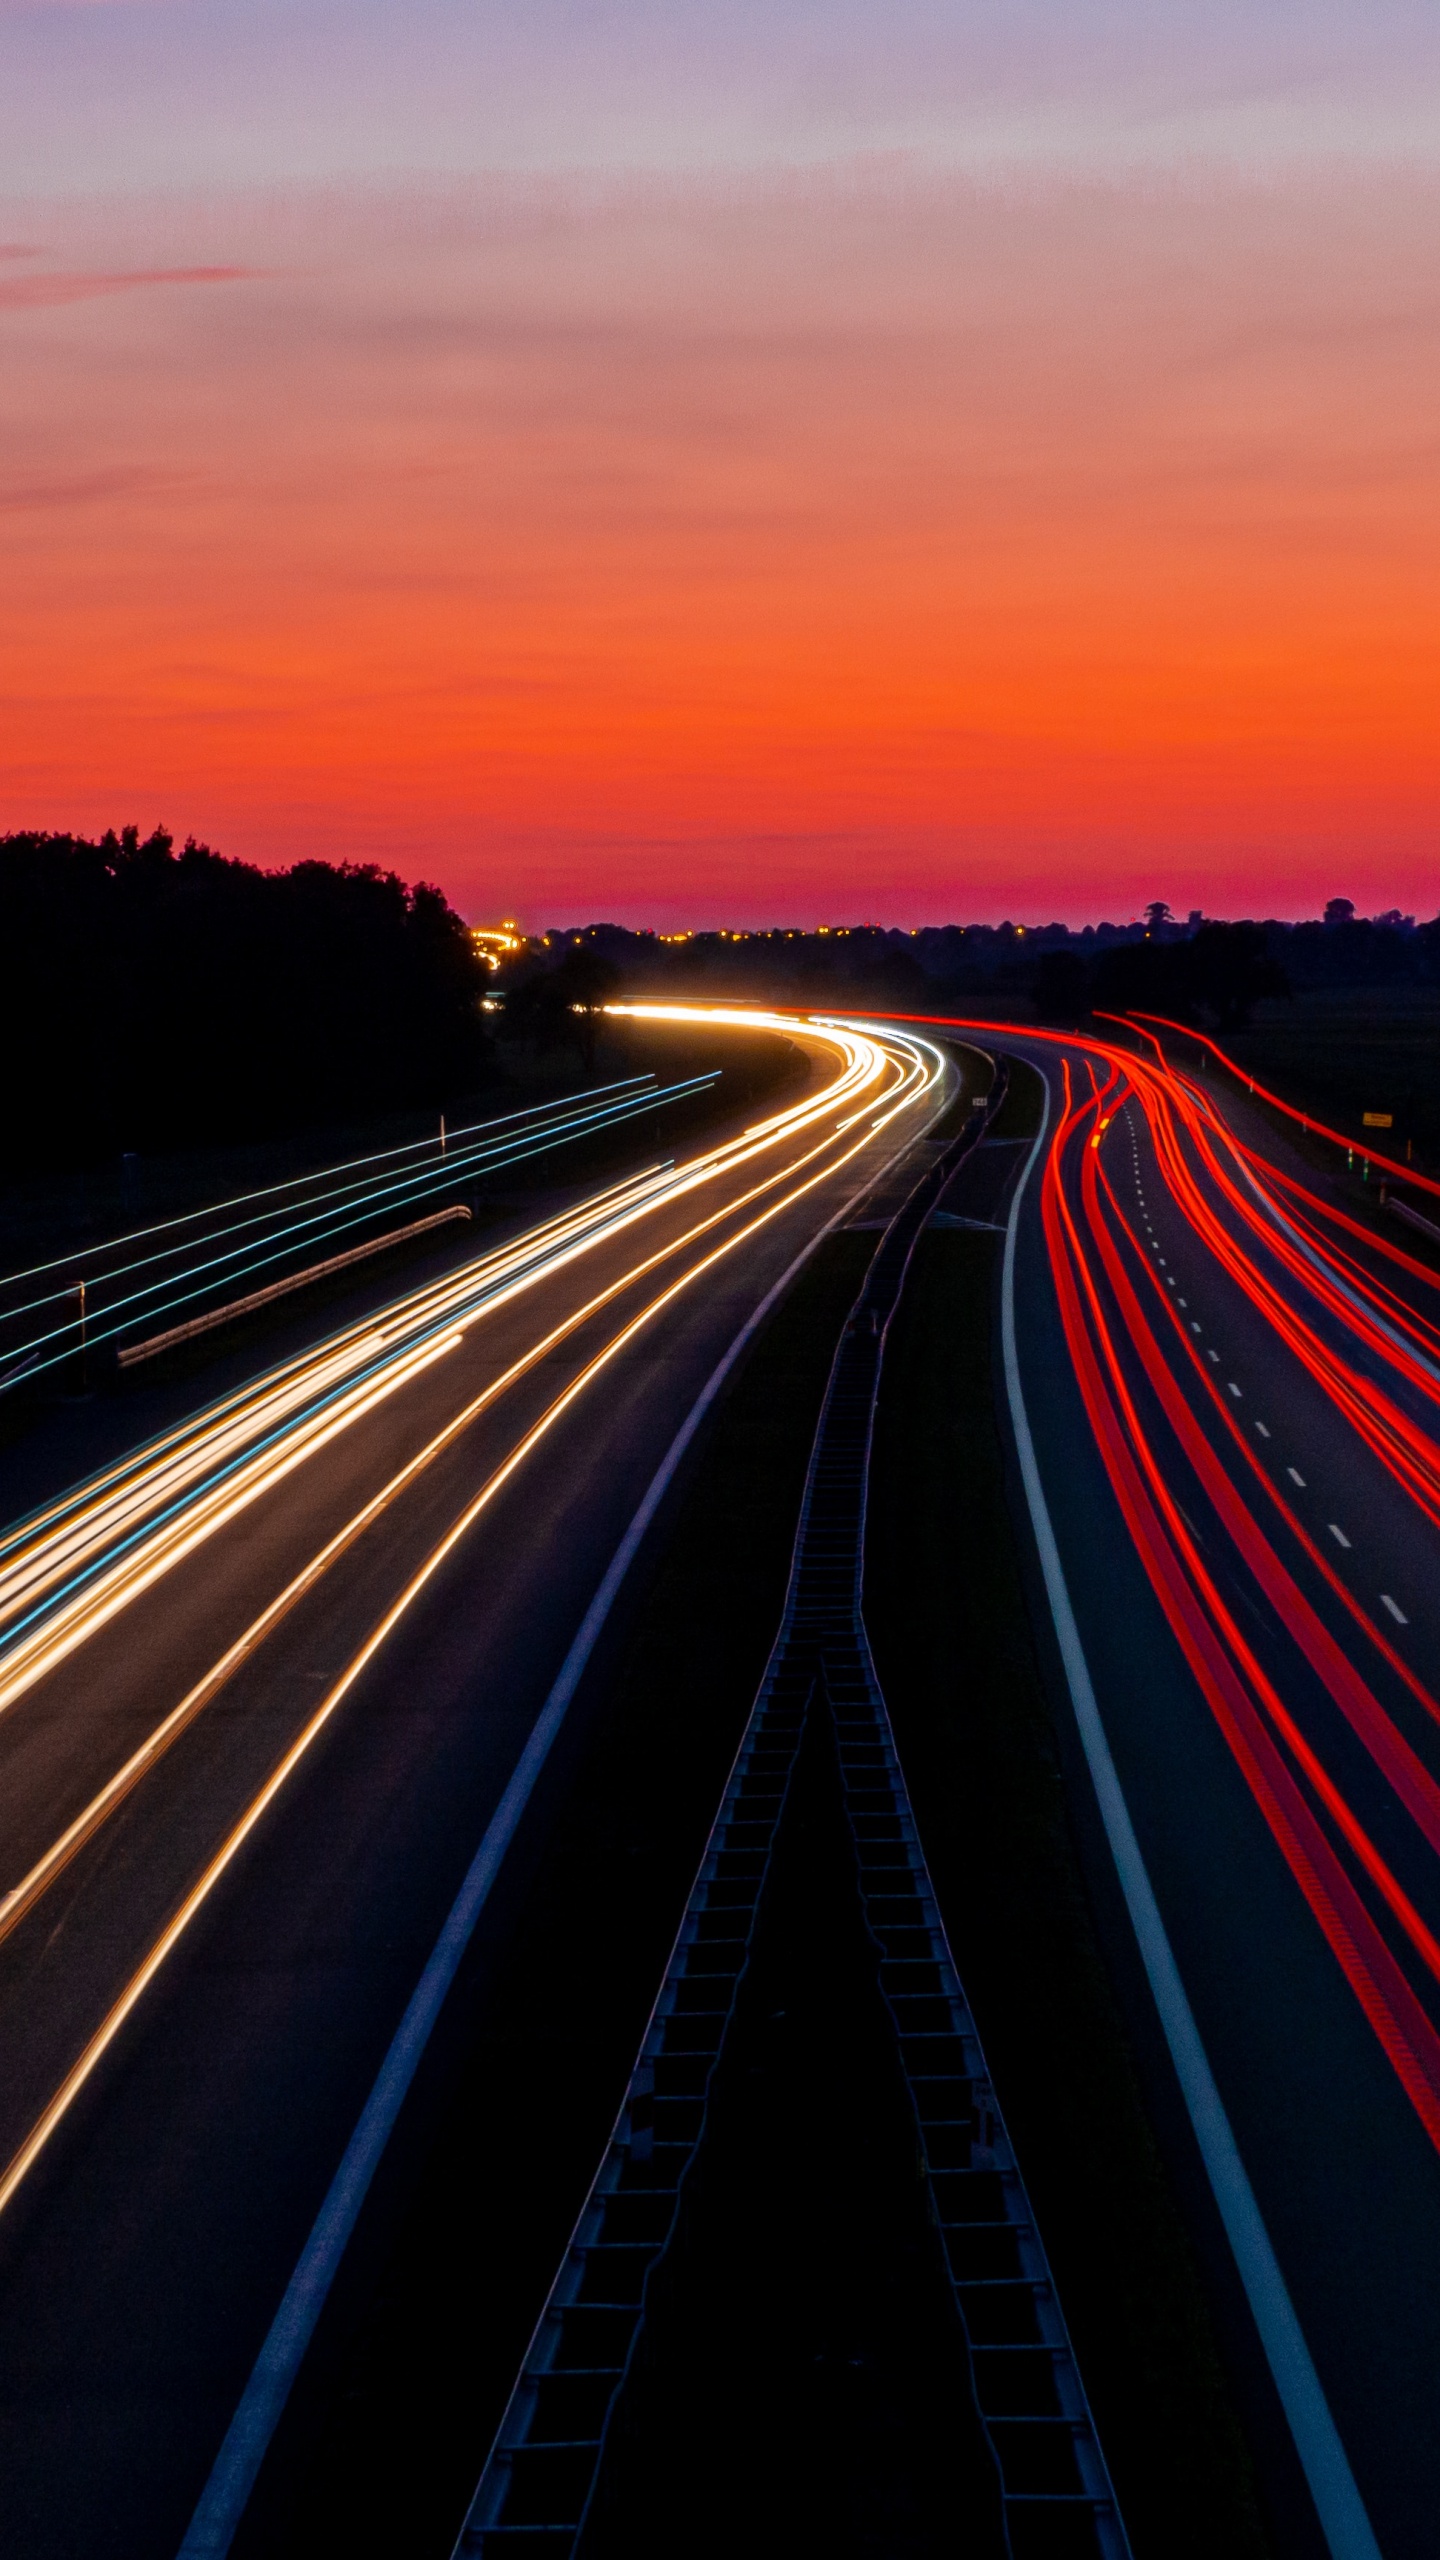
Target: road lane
{"points": [[468, 1361], [288, 1985], [68, 1569], [1309, 1961]]}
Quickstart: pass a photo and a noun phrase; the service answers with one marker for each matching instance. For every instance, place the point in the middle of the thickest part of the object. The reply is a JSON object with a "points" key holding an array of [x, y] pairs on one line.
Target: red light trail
{"points": [[1167, 1431], [1226, 1667]]}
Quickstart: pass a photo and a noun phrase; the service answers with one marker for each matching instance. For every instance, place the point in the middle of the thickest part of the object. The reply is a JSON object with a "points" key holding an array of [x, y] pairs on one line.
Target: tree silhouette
{"points": [[150, 998]]}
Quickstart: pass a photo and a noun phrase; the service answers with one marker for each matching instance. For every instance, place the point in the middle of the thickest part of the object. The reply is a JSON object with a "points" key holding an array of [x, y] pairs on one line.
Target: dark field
{"points": [[1341, 1054]]}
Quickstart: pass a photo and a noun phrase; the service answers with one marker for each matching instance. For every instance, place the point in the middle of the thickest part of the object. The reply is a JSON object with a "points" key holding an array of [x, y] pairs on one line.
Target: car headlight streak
{"points": [[70, 1568], [335, 1212], [908, 1067]]}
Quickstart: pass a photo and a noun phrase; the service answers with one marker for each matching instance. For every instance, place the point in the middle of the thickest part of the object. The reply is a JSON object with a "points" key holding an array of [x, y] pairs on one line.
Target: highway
{"points": [[262, 1685], [1231, 1392]]}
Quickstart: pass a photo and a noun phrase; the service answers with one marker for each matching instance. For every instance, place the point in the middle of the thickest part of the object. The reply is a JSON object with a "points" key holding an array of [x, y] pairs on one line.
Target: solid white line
{"points": [[247, 2439], [1338, 2503]]}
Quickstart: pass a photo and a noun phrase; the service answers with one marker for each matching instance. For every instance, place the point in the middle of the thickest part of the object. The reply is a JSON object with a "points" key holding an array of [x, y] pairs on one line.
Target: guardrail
{"points": [[131, 1352], [65, 1310]]}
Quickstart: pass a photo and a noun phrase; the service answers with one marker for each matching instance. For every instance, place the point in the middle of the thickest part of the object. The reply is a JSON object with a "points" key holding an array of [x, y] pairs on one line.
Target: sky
{"points": [[724, 461]]}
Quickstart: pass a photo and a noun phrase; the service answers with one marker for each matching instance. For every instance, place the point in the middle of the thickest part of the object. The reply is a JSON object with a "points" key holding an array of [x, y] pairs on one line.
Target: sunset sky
{"points": [[722, 460]]}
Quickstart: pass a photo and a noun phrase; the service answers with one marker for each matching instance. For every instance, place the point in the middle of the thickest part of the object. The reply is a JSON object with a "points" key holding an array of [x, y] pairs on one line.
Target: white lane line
{"points": [[1396, 1612], [111, 2026], [83, 1522], [1184, 1302], [1337, 1534], [1296, 1477], [1260, 1427], [1194, 1326], [1343, 2520], [1234, 1390], [236, 2467], [1215, 1356]]}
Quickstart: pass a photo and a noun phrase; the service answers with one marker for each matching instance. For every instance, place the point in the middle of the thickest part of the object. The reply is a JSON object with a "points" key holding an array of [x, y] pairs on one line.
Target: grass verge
{"points": [[946, 1609], [1341, 1052]]}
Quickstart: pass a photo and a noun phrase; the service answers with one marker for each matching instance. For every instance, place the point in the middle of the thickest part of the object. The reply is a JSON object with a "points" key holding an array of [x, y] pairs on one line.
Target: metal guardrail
{"points": [[154, 1343], [104, 1297], [540, 2479], [1413, 1218]]}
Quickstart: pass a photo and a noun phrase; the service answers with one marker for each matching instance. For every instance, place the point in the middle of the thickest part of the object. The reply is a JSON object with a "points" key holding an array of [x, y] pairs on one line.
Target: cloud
{"points": [[34, 293], [82, 488], [874, 527]]}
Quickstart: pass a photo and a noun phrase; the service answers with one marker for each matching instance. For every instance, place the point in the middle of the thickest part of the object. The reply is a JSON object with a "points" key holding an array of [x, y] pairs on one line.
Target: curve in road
{"points": [[412, 1519], [1234, 1392]]}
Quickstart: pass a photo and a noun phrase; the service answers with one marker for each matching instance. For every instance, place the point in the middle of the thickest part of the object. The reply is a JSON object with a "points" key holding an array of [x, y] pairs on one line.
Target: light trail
{"points": [[68, 1572], [1168, 1423], [15, 1904], [917, 1077], [317, 1221], [1226, 1668], [1181, 1577], [295, 1182], [1304, 1120]]}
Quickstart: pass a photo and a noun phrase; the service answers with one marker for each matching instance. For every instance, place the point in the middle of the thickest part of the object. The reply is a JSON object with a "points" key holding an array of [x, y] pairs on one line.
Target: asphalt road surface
{"points": [[263, 1684], [1234, 1398], [1235, 1406]]}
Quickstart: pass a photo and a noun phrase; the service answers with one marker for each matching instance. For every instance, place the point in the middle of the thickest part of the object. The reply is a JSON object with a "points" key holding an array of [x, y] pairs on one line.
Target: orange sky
{"points": [[852, 541]]}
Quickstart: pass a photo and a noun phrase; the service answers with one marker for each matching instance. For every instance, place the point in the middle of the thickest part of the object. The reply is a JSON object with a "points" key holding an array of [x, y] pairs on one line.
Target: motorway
{"points": [[262, 1685], [1233, 1392]]}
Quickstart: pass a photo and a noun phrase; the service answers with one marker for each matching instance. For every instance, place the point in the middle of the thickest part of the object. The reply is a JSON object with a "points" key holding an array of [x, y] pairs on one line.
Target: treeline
{"points": [[152, 999], [1197, 969]]}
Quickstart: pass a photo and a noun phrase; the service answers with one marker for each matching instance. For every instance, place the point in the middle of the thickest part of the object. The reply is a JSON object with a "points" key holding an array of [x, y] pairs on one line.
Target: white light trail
{"points": [[917, 1069], [68, 1571]]}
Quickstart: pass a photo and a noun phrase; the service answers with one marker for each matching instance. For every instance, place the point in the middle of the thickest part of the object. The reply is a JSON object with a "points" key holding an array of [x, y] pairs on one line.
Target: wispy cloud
{"points": [[82, 488], [32, 293]]}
